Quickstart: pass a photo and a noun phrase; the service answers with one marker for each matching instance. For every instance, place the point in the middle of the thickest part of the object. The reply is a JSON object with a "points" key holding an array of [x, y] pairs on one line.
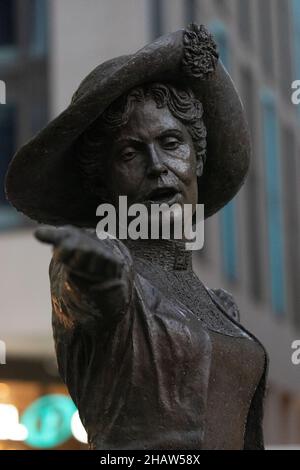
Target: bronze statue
{"points": [[152, 358]]}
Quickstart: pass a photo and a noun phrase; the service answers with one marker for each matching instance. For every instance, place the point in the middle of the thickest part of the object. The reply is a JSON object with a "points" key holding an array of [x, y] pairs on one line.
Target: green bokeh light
{"points": [[48, 421]]}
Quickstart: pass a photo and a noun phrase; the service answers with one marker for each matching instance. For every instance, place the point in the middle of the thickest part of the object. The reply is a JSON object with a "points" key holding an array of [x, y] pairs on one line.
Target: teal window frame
{"points": [[296, 22], [8, 49], [295, 10], [39, 28], [271, 150], [9, 217], [228, 213]]}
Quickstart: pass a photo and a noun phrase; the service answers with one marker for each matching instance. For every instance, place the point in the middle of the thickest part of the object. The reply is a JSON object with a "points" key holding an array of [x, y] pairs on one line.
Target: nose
{"points": [[156, 166]]}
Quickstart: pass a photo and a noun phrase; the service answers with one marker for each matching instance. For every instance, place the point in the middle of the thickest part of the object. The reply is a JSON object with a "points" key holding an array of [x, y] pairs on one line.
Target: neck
{"points": [[169, 254]]}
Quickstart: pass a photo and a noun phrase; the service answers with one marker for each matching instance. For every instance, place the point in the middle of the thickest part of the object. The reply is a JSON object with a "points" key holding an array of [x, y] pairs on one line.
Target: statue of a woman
{"points": [[152, 358]]}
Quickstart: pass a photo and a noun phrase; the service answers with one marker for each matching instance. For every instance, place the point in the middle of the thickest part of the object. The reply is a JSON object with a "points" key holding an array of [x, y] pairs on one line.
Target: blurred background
{"points": [[251, 249]]}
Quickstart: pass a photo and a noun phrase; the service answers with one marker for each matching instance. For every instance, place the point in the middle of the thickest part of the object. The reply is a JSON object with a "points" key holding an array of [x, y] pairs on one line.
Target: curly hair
{"points": [[181, 103]]}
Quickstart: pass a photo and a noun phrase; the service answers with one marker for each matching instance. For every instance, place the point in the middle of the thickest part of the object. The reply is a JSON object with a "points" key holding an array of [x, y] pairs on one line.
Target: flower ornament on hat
{"points": [[200, 55]]}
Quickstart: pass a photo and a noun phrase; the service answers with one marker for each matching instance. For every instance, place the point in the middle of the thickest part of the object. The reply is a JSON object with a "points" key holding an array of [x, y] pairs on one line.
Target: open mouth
{"points": [[160, 195]]}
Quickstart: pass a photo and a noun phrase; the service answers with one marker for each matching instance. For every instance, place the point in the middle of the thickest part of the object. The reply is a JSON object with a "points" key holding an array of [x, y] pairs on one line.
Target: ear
{"points": [[199, 166]]}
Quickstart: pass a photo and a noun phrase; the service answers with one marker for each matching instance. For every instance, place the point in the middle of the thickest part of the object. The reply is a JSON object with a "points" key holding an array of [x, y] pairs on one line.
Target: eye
{"points": [[128, 154], [171, 143]]}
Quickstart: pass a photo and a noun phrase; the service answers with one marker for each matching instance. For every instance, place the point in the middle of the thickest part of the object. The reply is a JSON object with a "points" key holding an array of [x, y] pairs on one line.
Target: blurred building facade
{"points": [[46, 49]]}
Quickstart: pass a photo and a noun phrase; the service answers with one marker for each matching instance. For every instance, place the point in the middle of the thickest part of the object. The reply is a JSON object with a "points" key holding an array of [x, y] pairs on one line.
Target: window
{"points": [[38, 26], [228, 229], [292, 223], [190, 7], [245, 19], [7, 24], [265, 36], [273, 193], [228, 214], [7, 143], [254, 236], [296, 18], [284, 47], [156, 18], [8, 216], [220, 36]]}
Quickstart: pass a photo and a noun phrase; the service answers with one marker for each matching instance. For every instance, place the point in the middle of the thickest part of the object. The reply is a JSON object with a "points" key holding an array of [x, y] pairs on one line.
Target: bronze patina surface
{"points": [[152, 358]]}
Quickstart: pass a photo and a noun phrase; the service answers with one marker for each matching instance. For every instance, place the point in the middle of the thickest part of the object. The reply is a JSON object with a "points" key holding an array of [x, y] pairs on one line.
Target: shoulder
{"points": [[226, 301]]}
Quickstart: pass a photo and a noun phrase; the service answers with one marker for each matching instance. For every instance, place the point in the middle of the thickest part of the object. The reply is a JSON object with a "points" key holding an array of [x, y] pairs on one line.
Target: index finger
{"points": [[51, 235]]}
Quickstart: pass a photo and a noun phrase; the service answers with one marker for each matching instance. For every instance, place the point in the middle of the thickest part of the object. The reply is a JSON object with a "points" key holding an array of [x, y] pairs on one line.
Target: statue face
{"points": [[153, 158]]}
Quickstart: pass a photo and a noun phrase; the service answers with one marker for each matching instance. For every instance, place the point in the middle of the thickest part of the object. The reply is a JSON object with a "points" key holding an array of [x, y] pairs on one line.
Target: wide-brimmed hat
{"points": [[44, 181]]}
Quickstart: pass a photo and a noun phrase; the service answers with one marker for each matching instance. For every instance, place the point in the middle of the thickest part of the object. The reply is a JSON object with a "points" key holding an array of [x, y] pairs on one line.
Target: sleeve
{"points": [[76, 301]]}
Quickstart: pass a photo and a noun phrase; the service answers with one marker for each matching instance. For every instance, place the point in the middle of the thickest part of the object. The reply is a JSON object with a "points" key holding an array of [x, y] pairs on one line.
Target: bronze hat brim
{"points": [[44, 183]]}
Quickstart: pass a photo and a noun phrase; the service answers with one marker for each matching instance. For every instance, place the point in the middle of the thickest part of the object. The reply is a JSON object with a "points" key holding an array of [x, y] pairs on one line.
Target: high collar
{"points": [[169, 254]]}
